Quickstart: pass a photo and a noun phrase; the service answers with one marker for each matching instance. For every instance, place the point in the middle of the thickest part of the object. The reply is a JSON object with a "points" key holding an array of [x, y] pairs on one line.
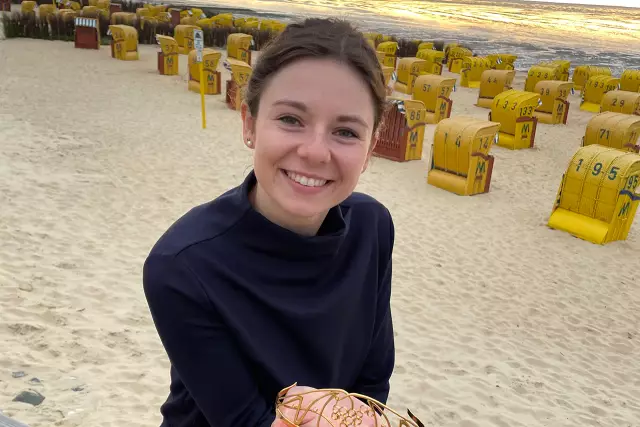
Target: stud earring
{"points": [[249, 143]]}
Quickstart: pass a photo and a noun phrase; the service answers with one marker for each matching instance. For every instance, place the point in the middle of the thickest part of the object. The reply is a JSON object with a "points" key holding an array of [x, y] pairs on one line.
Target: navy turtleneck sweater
{"points": [[245, 308]]}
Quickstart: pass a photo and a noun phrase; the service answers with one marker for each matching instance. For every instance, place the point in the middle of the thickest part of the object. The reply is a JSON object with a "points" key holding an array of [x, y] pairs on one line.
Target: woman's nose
{"points": [[315, 148]]}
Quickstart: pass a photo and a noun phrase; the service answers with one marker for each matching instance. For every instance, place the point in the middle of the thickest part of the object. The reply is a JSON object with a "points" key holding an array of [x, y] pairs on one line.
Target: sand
{"points": [[500, 321]]}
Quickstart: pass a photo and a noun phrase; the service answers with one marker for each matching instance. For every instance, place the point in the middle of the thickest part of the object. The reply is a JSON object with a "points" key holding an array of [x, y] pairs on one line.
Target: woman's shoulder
{"points": [[367, 211], [362, 204], [204, 222]]}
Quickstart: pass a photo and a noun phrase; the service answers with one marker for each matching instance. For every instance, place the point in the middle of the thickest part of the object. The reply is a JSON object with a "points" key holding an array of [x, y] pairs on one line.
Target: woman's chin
{"points": [[305, 210], [305, 202]]}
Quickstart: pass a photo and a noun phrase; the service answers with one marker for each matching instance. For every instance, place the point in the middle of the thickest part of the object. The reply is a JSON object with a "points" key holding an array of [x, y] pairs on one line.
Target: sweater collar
{"points": [[262, 234]]}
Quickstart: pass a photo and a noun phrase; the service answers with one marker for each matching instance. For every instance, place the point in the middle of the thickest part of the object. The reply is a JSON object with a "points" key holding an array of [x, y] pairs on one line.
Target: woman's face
{"points": [[312, 136]]}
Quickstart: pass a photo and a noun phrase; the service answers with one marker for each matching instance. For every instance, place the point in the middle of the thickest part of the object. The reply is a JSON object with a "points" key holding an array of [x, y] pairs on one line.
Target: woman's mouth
{"points": [[306, 180]]}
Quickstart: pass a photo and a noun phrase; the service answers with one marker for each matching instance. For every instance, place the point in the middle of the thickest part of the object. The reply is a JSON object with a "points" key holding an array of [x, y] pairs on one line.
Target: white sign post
{"points": [[198, 44]]}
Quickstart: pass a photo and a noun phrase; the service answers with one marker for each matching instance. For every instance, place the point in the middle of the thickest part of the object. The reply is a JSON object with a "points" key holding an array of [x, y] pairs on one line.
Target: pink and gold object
{"points": [[307, 407]]}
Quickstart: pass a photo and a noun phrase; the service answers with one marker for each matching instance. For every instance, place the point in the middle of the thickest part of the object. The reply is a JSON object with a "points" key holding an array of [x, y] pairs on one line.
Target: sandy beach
{"points": [[500, 321]]}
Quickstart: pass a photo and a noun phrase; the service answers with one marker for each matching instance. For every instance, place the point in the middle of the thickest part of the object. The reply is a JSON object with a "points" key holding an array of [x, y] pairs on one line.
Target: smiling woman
{"points": [[311, 118], [287, 277]]}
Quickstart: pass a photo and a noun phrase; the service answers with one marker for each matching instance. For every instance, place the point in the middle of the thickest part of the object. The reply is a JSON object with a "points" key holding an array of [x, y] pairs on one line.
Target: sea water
{"points": [[533, 30]]}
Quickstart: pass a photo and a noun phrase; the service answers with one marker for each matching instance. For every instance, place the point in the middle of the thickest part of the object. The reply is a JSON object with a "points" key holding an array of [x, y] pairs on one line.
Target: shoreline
{"points": [[482, 40]]}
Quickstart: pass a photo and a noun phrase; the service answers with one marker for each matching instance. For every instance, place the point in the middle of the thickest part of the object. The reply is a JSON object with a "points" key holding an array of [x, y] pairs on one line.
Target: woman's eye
{"points": [[346, 133], [289, 120]]}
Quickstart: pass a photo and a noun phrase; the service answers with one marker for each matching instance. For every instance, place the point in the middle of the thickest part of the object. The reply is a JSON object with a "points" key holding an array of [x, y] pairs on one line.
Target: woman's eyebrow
{"points": [[352, 119], [294, 104]]}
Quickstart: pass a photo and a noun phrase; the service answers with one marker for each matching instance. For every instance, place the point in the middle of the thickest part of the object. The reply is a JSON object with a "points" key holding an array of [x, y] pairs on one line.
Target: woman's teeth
{"points": [[303, 180]]}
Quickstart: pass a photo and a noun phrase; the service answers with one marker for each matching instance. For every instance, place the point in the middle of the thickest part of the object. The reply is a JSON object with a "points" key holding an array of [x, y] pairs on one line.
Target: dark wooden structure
{"points": [[87, 34]]}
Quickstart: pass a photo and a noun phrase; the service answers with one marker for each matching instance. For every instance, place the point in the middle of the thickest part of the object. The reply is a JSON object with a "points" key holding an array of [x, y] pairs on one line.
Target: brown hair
{"points": [[319, 38]]}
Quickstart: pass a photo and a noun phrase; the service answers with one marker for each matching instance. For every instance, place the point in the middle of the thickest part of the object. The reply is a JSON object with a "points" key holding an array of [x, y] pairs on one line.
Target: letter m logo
{"points": [[413, 138], [625, 209]]}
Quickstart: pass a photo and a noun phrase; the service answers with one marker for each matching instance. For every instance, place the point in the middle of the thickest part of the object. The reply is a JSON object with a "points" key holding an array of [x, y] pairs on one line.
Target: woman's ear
{"points": [[248, 126]]}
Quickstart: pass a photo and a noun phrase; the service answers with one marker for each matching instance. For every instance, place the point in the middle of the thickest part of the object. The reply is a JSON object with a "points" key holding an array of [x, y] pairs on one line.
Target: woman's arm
{"points": [[373, 380], [200, 347]]}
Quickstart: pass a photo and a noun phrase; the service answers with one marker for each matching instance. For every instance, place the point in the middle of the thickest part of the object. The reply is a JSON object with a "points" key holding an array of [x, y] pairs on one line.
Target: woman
{"points": [[287, 277]]}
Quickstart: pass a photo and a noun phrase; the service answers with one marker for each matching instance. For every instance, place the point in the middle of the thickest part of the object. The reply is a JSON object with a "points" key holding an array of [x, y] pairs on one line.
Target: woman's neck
{"points": [[262, 203]]}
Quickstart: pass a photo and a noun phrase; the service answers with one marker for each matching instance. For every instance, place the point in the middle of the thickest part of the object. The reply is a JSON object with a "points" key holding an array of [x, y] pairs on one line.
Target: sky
{"points": [[627, 3]]}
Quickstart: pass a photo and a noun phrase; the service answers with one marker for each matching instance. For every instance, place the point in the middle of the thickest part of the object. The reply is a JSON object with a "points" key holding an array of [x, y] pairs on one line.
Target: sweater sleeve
{"points": [[200, 347], [373, 380]]}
